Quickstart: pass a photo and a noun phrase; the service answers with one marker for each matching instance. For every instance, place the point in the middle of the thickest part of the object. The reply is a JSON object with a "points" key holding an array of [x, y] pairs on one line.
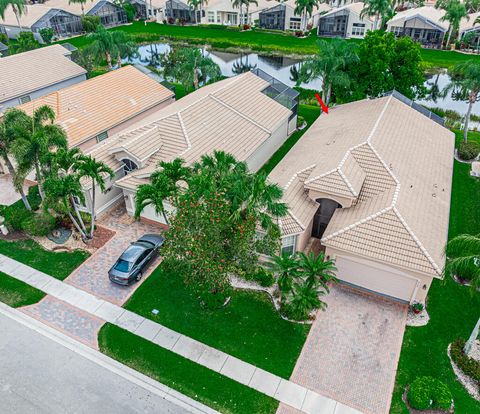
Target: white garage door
{"points": [[381, 279]]}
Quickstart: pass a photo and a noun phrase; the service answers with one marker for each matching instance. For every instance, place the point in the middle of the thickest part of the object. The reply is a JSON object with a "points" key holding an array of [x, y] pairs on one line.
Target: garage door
{"points": [[381, 279]]}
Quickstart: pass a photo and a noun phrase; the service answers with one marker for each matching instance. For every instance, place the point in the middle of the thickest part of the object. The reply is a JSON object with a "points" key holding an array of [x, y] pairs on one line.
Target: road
{"points": [[39, 375]]}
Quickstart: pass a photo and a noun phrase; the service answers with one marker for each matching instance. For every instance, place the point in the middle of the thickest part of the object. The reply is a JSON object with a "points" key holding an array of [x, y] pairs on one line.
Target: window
{"points": [[25, 99], [211, 17], [358, 29], [295, 23], [288, 244], [102, 137], [128, 166]]}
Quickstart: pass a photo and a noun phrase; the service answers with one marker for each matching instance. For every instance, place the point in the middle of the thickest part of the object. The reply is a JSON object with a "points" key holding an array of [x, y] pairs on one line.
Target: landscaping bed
{"points": [[200, 383], [15, 293]]}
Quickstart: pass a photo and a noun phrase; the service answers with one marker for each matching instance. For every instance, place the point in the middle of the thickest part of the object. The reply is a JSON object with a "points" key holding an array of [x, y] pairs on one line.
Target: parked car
{"points": [[133, 261]]}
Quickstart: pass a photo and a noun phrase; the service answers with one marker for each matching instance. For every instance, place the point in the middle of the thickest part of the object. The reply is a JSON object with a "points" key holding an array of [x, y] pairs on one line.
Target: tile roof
{"points": [[74, 8], [428, 13], [402, 210], [33, 13], [88, 108], [23, 73], [356, 8]]}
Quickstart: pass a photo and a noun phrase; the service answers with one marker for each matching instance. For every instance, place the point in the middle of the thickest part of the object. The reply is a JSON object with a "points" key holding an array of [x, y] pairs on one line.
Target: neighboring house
{"points": [[178, 10], [422, 24], [148, 9], [345, 22], [372, 181], [94, 110], [110, 14], [30, 75], [469, 26], [3, 49], [282, 16], [223, 12], [38, 16], [244, 115]]}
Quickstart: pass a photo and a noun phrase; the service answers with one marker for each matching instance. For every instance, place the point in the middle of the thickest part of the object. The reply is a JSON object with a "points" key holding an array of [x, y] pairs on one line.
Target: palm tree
{"points": [[455, 11], [304, 299], [239, 4], [463, 259], [381, 9], [247, 4], [36, 137], [285, 266], [330, 65], [6, 142], [19, 8], [316, 270], [305, 9], [97, 171], [194, 4], [82, 4], [465, 78]]}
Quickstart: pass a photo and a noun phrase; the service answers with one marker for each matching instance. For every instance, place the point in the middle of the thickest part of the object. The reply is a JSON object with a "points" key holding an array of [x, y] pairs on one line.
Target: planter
{"points": [[302, 127]]}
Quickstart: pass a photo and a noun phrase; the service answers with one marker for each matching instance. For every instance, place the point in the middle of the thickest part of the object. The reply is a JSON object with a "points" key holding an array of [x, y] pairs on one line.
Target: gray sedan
{"points": [[134, 259]]}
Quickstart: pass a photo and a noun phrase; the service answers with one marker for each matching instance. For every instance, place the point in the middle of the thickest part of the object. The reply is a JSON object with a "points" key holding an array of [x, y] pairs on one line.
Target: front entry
{"points": [[322, 216]]}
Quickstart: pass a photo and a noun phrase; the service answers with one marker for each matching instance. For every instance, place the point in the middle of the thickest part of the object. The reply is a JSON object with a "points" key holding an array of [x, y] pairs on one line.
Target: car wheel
{"points": [[139, 276]]}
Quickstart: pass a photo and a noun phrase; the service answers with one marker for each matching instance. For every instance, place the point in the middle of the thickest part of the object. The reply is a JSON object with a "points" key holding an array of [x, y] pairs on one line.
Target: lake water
{"points": [[283, 68]]}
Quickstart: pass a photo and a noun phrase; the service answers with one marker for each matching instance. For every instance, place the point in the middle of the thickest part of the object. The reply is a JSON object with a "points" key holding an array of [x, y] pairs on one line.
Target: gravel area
{"points": [[475, 351], [466, 381], [417, 319]]}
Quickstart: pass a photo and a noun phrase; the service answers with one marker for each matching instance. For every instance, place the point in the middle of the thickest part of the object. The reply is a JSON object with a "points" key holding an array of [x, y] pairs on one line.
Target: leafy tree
{"points": [[25, 41], [81, 2], [465, 79], [455, 11], [381, 9], [19, 8], [305, 9], [47, 34], [90, 23], [330, 65], [316, 270]]}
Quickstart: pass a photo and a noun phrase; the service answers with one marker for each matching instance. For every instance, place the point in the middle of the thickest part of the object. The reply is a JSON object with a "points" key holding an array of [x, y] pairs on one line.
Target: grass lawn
{"points": [[185, 376], [248, 328], [15, 293], [56, 264], [452, 308], [261, 41]]}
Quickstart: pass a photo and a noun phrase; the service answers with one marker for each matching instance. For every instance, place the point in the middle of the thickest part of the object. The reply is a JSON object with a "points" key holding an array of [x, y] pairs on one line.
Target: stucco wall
{"points": [[104, 200], [355, 18]]}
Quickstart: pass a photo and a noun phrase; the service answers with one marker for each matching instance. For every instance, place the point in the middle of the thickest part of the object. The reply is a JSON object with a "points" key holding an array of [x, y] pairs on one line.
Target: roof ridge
{"points": [[296, 175], [185, 135]]}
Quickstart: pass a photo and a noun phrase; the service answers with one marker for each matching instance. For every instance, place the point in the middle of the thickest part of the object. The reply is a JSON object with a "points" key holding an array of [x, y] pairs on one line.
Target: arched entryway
{"points": [[323, 215]]}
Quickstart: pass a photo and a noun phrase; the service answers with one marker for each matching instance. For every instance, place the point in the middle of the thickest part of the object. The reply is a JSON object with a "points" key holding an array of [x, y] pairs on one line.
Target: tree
{"points": [[81, 2], [247, 4], [465, 78], [47, 34], [90, 23], [473, 6], [316, 270], [304, 298], [26, 41], [455, 11], [463, 259], [19, 8], [285, 266], [381, 9], [305, 8], [194, 4], [330, 65], [97, 171]]}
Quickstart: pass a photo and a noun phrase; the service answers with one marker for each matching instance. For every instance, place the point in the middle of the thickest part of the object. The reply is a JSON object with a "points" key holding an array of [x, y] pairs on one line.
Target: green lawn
{"points": [[15, 293], [56, 264], [261, 41], [452, 308], [248, 328]]}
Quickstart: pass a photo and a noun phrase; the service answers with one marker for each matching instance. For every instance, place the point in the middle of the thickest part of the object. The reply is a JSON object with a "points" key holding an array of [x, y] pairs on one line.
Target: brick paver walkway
{"points": [[352, 350]]}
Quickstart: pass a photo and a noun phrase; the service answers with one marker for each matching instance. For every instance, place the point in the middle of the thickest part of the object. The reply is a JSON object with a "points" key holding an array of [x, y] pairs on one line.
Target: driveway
{"points": [[352, 350]]}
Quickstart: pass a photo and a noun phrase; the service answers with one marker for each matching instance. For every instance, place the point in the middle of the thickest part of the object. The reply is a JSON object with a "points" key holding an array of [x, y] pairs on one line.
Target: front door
{"points": [[322, 216]]}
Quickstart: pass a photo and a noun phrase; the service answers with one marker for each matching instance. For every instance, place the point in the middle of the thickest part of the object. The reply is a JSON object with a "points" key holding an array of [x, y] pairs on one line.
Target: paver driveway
{"points": [[352, 350]]}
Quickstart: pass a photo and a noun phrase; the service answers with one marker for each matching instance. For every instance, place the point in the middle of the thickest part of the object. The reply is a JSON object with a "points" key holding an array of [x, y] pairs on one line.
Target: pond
{"points": [[284, 69]]}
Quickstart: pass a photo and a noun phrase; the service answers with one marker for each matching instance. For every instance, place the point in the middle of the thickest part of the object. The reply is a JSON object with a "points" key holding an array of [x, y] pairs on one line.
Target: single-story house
{"points": [[110, 14], [223, 12], [247, 115], [92, 111], [372, 182], [30, 75], [282, 16], [469, 26], [422, 24], [345, 22], [178, 10], [39, 16]]}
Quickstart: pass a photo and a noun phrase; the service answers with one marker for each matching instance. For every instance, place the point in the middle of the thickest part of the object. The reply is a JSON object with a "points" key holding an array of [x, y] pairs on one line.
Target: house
{"points": [[178, 10], [30, 75], [223, 12], [249, 115], [94, 110], [282, 16], [345, 22], [468, 26], [422, 24], [371, 182], [110, 14], [39, 16]]}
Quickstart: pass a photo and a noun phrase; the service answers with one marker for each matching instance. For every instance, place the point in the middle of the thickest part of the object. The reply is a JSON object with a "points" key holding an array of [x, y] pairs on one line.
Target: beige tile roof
{"points": [[356, 8], [74, 8], [402, 211], [26, 72], [33, 13], [232, 115], [428, 13], [88, 108]]}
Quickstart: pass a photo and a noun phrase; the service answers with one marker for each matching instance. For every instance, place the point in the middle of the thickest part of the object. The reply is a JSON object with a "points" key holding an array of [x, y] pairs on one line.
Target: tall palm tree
{"points": [[285, 266], [7, 136], [82, 4], [97, 171], [36, 137], [316, 270], [455, 11], [463, 259], [330, 66], [381, 9], [239, 4], [194, 4], [19, 8], [305, 8], [247, 4], [465, 78]]}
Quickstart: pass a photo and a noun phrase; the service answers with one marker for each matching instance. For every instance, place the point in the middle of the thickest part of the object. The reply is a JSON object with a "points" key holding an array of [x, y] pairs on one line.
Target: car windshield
{"points": [[122, 266], [146, 243]]}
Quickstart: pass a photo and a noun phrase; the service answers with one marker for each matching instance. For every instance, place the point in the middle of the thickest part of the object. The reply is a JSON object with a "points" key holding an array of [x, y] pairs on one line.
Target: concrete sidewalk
{"points": [[285, 391]]}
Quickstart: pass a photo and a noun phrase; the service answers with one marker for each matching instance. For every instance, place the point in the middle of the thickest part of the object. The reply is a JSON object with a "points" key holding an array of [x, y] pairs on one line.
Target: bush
{"points": [[4, 38], [468, 150], [246, 27], [15, 217], [47, 34], [130, 11], [263, 277], [90, 23], [427, 393], [300, 121], [39, 224], [469, 366]]}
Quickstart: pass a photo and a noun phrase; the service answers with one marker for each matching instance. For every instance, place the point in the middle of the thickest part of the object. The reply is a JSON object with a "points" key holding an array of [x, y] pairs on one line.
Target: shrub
{"points": [[90, 23], [39, 224], [469, 366], [15, 217], [246, 27], [427, 393], [298, 33], [130, 11], [263, 277], [468, 150], [300, 121], [4, 38], [47, 34]]}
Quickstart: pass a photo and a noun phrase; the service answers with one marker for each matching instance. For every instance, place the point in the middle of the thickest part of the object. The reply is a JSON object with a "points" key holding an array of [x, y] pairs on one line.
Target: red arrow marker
{"points": [[324, 107]]}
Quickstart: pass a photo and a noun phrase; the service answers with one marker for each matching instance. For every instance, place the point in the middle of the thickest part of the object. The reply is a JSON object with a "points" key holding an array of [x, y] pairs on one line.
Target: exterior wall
{"points": [[148, 213], [343, 201], [43, 91], [104, 200], [355, 19], [304, 238], [111, 15]]}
